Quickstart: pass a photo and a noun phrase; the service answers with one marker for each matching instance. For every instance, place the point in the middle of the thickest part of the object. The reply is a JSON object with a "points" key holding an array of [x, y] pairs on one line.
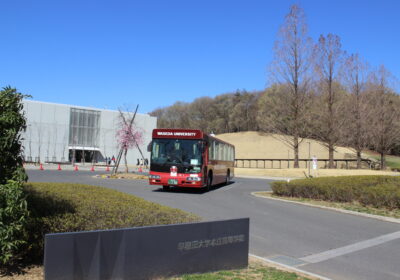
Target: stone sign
{"points": [[147, 252]]}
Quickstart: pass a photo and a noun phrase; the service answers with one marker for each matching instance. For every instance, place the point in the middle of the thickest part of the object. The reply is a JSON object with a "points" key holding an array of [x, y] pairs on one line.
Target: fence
{"points": [[288, 163]]}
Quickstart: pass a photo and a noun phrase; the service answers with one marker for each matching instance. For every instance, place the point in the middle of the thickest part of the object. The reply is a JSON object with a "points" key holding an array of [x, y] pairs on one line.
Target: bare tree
{"points": [[55, 142], [202, 114], [65, 146], [290, 68], [243, 111], [223, 107], [385, 117], [160, 114], [229, 112], [39, 139], [177, 115], [328, 110], [356, 128], [29, 126]]}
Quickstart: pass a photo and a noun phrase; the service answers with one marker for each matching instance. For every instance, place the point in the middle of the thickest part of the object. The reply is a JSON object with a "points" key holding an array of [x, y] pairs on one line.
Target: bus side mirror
{"points": [[149, 146]]}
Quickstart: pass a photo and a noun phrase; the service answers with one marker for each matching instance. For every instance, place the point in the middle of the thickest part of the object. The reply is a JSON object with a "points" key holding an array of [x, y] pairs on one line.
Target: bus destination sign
{"points": [[171, 133]]}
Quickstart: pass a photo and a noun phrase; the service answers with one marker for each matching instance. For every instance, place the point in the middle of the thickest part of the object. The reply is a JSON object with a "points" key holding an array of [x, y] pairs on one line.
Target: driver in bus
{"points": [[176, 153]]}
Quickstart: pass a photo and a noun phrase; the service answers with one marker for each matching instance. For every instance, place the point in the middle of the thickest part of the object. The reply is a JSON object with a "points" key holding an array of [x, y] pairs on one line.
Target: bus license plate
{"points": [[172, 181]]}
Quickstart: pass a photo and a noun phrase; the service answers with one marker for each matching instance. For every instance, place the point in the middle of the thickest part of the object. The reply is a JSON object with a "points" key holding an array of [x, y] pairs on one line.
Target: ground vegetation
{"points": [[66, 207], [374, 191]]}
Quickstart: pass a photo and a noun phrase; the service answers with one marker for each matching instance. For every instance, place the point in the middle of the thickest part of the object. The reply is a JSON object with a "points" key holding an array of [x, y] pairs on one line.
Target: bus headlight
{"points": [[193, 179], [154, 177]]}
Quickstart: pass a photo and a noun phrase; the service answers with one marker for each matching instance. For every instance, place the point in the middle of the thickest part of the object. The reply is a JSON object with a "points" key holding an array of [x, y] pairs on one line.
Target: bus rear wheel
{"points": [[209, 181], [165, 188], [228, 177]]}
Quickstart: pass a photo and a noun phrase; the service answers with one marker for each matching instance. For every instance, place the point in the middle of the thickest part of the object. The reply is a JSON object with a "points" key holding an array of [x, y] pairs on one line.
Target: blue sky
{"points": [[108, 54]]}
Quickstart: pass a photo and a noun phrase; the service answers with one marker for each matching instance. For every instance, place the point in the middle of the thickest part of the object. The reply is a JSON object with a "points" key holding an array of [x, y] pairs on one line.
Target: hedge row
{"points": [[65, 207], [376, 191]]}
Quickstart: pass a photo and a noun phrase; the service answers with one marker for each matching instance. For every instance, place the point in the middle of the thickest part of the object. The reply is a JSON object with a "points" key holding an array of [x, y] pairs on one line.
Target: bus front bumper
{"points": [[181, 180]]}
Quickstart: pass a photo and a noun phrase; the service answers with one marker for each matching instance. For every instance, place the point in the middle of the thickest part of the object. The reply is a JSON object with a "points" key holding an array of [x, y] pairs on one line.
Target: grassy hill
{"points": [[261, 145]]}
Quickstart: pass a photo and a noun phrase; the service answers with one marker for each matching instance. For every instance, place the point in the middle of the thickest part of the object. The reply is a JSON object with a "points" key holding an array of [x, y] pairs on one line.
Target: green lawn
{"points": [[392, 161]]}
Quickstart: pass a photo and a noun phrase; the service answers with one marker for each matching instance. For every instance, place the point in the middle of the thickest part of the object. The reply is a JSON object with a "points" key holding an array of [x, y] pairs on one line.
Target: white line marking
{"points": [[323, 256]]}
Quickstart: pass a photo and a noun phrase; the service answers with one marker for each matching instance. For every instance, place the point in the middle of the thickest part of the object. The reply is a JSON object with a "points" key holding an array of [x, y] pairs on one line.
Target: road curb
{"points": [[290, 268], [365, 215]]}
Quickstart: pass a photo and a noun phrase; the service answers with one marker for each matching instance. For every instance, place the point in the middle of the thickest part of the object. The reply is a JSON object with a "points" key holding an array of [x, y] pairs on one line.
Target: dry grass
{"points": [[252, 144], [30, 273], [259, 145], [131, 176], [300, 173]]}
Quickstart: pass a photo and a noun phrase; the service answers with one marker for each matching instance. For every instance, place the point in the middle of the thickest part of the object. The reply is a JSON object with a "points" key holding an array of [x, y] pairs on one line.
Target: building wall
{"points": [[48, 127]]}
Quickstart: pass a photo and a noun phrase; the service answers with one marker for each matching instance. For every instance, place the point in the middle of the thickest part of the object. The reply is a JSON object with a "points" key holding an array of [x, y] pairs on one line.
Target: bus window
{"points": [[225, 152], [156, 151], [211, 150]]}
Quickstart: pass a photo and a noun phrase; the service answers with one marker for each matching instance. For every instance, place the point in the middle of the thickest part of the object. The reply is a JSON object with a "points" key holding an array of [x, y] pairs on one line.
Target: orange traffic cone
{"points": [[76, 168], [59, 167], [41, 167], [92, 169], [108, 168]]}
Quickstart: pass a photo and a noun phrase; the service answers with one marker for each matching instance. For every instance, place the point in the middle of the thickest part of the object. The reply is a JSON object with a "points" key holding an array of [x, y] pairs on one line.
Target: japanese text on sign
{"points": [[197, 244]]}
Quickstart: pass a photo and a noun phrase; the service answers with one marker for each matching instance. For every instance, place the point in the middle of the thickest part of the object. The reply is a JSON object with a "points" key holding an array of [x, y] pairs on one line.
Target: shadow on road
{"points": [[193, 190]]}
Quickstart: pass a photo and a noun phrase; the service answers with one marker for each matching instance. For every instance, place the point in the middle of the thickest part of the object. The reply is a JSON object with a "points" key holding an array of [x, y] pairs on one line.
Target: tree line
{"points": [[316, 90]]}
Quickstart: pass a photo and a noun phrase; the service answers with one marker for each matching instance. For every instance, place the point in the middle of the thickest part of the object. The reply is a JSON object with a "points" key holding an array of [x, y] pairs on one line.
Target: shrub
{"points": [[64, 207], [13, 216], [13, 210], [387, 196], [377, 191], [12, 124]]}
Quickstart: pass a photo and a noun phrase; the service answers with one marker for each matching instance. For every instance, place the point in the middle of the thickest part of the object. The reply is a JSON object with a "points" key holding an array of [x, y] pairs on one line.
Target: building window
{"points": [[84, 128]]}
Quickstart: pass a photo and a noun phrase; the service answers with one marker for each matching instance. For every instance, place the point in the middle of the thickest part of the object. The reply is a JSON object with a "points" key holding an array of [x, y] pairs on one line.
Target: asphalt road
{"points": [[328, 243]]}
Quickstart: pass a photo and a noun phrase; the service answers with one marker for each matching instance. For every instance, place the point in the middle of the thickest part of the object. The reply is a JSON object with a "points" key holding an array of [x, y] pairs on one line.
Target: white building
{"points": [[62, 133]]}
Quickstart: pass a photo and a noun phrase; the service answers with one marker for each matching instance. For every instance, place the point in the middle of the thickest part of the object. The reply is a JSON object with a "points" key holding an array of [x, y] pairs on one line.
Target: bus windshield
{"points": [[177, 152]]}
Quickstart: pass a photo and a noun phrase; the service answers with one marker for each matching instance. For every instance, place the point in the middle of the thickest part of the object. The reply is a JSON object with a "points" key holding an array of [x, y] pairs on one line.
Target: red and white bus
{"points": [[189, 158]]}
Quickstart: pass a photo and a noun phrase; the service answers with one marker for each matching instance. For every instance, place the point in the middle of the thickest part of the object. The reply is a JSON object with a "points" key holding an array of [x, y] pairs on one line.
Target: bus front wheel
{"points": [[165, 188]]}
